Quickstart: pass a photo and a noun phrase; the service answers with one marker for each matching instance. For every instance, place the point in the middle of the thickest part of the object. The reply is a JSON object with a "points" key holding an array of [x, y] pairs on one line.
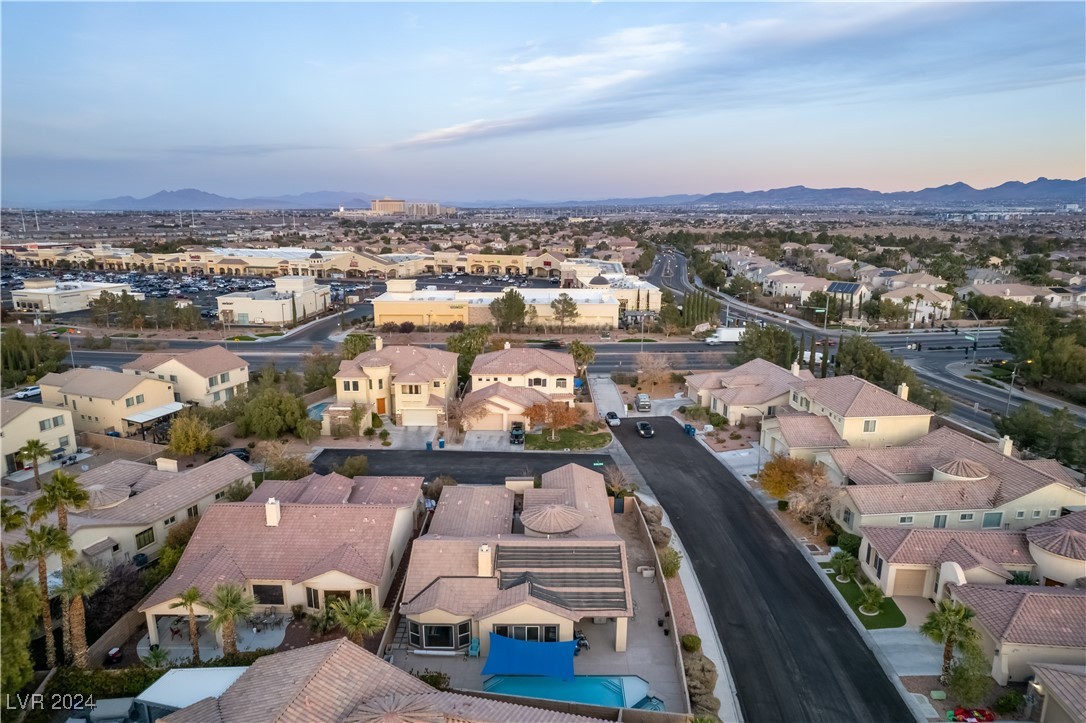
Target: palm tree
{"points": [[582, 354], [12, 518], [359, 617], [227, 603], [871, 597], [40, 544], [79, 581], [156, 658], [844, 565], [32, 451], [59, 494], [949, 624], [188, 600]]}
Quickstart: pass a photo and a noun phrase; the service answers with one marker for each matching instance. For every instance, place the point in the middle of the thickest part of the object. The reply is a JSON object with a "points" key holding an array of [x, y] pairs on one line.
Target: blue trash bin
{"points": [[429, 446], [690, 430], [441, 444]]}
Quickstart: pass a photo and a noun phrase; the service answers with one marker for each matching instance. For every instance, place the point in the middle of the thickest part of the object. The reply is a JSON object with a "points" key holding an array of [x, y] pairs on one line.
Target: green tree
{"points": [[102, 307], [77, 582], [319, 369], [27, 358], [970, 678], [359, 617], [1033, 269], [564, 309], [357, 417], [32, 451], [61, 493], [12, 518], [270, 413], [190, 434], [772, 343], [354, 466], [40, 544], [582, 354], [18, 613], [228, 603], [844, 565], [949, 624], [355, 344], [508, 310], [871, 598], [188, 600], [468, 344]]}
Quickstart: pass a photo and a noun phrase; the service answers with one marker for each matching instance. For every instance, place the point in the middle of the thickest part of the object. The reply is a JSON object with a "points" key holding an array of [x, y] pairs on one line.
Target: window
{"points": [[867, 557], [1051, 513], [380, 383], [869, 425], [1036, 514], [58, 421], [216, 396], [437, 385], [63, 442], [414, 634], [354, 386], [212, 381], [45, 424], [560, 383], [795, 397], [224, 377], [905, 520], [878, 566], [412, 389], [220, 494], [346, 386], [129, 401], [145, 538], [437, 636], [846, 515], [535, 633], [463, 634], [268, 594], [139, 399], [992, 520], [173, 378], [537, 382], [1020, 515], [229, 393], [365, 594], [193, 511], [313, 598], [169, 520], [965, 517]]}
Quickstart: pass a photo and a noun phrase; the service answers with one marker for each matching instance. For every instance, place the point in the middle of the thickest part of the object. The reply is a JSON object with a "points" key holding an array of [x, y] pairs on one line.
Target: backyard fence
{"points": [[143, 451]]}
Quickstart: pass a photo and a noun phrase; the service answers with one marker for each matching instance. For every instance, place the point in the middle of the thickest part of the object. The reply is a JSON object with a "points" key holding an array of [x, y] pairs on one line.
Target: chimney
{"points": [[508, 345], [486, 561], [272, 513], [1006, 446], [903, 391], [795, 368], [378, 344], [165, 464]]}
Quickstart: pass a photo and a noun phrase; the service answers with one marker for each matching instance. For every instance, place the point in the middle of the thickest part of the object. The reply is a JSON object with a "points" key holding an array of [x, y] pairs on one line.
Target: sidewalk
{"points": [[961, 369]]}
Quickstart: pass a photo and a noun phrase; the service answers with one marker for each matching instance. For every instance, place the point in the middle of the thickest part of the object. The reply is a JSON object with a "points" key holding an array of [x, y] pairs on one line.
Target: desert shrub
{"points": [[691, 643], [782, 505], [433, 489], [718, 420], [354, 466], [369, 432], [735, 435], [849, 543], [180, 532], [375, 421], [831, 540], [701, 678], [433, 678], [383, 434], [682, 409], [1008, 703], [653, 514], [321, 622], [661, 536], [670, 561]]}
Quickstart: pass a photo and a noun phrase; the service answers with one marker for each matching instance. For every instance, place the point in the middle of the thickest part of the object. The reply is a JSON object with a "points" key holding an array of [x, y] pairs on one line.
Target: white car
{"points": [[28, 392]]}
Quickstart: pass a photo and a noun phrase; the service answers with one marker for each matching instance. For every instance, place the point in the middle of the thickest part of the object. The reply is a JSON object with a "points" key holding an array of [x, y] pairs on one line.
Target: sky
{"points": [[549, 101]]}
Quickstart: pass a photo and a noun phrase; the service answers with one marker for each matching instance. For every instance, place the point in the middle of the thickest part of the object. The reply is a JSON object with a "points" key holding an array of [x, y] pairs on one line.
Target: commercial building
{"points": [[109, 402], [291, 300], [61, 297], [205, 377], [23, 421]]}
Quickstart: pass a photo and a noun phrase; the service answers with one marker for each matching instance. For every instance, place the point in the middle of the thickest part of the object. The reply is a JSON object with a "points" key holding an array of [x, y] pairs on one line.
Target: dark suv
{"points": [[516, 433]]}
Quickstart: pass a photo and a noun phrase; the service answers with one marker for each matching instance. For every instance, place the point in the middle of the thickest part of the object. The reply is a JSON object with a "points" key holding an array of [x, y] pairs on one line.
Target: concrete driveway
{"points": [[605, 395], [909, 652], [793, 653], [489, 441]]}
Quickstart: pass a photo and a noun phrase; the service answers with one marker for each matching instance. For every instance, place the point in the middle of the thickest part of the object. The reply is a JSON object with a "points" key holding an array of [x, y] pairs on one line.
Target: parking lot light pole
{"points": [[71, 352], [1010, 389], [976, 339]]}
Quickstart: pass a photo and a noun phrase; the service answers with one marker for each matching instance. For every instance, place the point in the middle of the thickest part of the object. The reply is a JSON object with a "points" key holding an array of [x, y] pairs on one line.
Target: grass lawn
{"points": [[270, 333], [572, 438], [890, 617], [636, 341], [242, 338]]}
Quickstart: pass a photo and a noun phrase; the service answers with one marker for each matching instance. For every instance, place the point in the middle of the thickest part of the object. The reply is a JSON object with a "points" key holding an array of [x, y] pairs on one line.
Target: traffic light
{"points": [[918, 346], [955, 331], [974, 345]]}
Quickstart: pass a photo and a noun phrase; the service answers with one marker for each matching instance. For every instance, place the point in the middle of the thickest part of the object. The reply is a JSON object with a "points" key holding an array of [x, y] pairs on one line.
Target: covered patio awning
{"points": [[99, 547], [157, 413], [521, 657]]}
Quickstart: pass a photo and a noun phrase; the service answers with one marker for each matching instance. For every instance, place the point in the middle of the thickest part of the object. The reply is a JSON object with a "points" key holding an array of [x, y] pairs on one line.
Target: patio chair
{"points": [[473, 649], [269, 611]]}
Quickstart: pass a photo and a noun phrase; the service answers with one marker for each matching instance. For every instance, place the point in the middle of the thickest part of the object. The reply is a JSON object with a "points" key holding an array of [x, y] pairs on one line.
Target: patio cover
{"points": [[152, 414], [521, 657]]}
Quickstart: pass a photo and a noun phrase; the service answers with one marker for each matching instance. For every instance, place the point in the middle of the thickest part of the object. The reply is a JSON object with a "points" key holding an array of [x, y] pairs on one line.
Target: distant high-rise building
{"points": [[387, 206]]}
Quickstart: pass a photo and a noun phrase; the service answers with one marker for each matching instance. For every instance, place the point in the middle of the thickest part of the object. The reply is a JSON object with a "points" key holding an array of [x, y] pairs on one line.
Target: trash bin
{"points": [[441, 444], [429, 446], [689, 428]]}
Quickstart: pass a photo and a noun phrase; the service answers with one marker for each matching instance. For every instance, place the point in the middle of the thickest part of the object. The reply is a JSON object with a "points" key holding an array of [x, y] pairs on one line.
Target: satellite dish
{"points": [[84, 467]]}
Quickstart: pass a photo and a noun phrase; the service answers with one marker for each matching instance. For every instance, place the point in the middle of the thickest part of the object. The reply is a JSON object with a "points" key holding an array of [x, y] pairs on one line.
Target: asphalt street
{"points": [[479, 468], [793, 654]]}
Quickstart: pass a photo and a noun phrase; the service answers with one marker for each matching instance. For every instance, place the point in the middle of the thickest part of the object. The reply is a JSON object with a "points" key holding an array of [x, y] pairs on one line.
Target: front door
{"points": [[380, 405], [940, 522]]}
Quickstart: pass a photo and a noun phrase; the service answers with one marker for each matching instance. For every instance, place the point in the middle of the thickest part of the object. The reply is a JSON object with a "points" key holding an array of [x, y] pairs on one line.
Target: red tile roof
{"points": [[1028, 615]]}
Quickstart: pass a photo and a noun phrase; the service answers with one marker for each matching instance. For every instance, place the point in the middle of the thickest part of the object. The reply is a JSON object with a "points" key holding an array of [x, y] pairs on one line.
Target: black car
{"points": [[516, 433], [553, 344], [645, 429], [239, 452]]}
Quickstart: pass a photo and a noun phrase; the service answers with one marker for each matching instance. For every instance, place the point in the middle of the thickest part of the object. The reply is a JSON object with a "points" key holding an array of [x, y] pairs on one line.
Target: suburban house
{"points": [[922, 562], [505, 383], [1020, 625], [823, 414], [339, 681], [922, 303], [205, 377], [133, 505], [22, 421], [1022, 293], [1059, 547], [918, 280], [480, 569], [946, 480], [105, 401], [1061, 686], [410, 384], [292, 299], [750, 391], [342, 539]]}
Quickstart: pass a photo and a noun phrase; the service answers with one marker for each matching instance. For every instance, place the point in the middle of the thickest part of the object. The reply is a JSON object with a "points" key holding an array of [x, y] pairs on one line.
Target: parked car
{"points": [[516, 433], [239, 452], [553, 344], [28, 392], [645, 429], [612, 419]]}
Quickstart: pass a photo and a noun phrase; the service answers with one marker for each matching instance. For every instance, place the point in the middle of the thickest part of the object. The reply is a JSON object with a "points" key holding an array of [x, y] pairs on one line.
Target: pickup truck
{"points": [[516, 433]]}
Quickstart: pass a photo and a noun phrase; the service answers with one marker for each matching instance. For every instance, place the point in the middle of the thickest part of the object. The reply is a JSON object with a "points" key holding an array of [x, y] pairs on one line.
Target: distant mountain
{"points": [[673, 200], [193, 199]]}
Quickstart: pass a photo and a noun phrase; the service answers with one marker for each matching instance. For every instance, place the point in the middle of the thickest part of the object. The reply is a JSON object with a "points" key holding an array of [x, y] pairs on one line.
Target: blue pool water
{"points": [[317, 410], [618, 691]]}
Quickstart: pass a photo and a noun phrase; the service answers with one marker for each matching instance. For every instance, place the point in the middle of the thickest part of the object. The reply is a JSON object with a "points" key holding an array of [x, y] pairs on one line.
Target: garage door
{"points": [[419, 418], [909, 582], [494, 422]]}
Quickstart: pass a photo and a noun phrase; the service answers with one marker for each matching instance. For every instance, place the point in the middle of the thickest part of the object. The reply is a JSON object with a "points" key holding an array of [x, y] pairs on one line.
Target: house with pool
{"points": [[519, 562]]}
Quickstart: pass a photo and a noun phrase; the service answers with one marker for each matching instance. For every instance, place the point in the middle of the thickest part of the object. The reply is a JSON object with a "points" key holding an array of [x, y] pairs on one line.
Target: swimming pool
{"points": [[613, 691], [317, 410]]}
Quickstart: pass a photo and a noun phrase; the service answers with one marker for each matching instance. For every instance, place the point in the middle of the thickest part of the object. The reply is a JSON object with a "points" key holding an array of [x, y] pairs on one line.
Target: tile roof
{"points": [[519, 360], [805, 431], [473, 511], [850, 396], [234, 542], [205, 362], [881, 499], [1028, 615], [1064, 536], [13, 408], [523, 397], [334, 488], [94, 383], [1053, 469], [386, 490], [406, 363], [586, 494], [755, 382], [1067, 683], [968, 548]]}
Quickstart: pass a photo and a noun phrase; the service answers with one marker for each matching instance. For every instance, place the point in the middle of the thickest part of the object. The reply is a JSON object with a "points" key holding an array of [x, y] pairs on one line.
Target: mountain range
{"points": [[1040, 191]]}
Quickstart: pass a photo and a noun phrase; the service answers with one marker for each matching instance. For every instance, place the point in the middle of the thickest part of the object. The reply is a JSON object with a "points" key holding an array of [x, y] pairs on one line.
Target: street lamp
{"points": [[71, 352], [1010, 389], [976, 339]]}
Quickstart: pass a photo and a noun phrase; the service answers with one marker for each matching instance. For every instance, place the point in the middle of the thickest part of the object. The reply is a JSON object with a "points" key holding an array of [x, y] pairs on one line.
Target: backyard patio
{"points": [[173, 634]]}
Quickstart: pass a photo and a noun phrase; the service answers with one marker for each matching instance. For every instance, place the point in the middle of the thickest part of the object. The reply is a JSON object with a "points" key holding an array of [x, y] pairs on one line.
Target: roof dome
{"points": [[552, 519], [959, 469], [599, 281], [316, 255], [104, 494]]}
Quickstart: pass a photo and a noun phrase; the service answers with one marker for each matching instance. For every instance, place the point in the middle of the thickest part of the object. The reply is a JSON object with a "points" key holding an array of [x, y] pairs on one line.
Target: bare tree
{"points": [[652, 369], [812, 499], [462, 413]]}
